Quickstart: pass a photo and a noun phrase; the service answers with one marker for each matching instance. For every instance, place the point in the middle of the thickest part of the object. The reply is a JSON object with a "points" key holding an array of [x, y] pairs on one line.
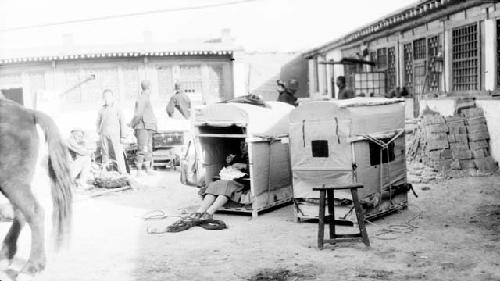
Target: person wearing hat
{"points": [[80, 157], [144, 125], [287, 94], [179, 101]]}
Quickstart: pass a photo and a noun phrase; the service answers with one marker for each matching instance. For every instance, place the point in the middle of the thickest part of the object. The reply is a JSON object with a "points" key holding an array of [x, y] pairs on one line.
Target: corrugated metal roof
{"points": [[123, 51], [420, 10]]}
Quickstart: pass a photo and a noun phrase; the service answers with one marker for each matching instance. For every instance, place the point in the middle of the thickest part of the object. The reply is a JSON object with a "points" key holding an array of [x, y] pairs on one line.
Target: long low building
{"points": [[80, 75], [437, 50], [67, 81]]}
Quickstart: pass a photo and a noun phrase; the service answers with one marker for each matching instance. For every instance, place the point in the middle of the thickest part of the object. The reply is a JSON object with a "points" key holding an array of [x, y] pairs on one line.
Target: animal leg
{"points": [[33, 213], [9, 245]]}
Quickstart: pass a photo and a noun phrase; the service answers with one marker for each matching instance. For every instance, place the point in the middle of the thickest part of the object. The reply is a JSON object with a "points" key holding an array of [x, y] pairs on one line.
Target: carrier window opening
{"points": [[388, 154], [320, 148]]}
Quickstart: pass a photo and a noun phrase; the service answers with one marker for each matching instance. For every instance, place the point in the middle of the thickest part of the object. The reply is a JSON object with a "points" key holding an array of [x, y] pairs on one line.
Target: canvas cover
{"points": [[269, 158], [270, 121], [336, 125]]}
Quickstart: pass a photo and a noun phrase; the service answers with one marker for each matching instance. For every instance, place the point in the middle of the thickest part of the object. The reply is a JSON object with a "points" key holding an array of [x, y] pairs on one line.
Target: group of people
{"points": [[112, 130], [287, 90]]}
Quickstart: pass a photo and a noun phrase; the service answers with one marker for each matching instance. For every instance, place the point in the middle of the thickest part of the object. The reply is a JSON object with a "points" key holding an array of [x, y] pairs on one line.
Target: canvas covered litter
{"points": [[340, 142], [220, 128]]}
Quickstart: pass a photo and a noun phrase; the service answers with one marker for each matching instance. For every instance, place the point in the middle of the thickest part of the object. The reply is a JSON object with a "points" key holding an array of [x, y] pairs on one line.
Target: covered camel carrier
{"points": [[339, 142], [220, 129]]}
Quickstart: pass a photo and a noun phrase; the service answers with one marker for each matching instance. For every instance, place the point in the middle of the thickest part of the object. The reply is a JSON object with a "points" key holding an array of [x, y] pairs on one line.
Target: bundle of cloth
{"points": [[110, 179]]}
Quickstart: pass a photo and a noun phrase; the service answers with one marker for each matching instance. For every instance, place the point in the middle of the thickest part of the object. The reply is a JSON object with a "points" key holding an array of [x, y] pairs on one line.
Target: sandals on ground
{"points": [[179, 226], [213, 225], [206, 217]]}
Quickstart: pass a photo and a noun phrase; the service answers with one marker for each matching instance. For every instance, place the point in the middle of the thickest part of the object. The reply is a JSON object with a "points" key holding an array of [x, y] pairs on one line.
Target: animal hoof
{"points": [[4, 265], [24, 277]]}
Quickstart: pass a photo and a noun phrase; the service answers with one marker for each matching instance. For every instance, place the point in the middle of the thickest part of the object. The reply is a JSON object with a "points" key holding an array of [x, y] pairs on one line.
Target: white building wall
{"points": [[490, 44]]}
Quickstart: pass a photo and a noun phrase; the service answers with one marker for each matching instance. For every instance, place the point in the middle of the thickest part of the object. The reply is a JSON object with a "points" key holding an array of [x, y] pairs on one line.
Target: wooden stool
{"points": [[326, 196]]}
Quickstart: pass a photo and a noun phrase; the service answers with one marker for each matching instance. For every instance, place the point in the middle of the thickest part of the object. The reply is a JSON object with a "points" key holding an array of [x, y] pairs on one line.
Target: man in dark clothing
{"points": [[144, 125], [287, 95], [180, 101], [344, 93]]}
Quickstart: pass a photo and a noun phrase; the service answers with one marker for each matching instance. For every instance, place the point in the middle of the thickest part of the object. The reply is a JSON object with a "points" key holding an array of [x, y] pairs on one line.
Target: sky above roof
{"points": [[257, 25]]}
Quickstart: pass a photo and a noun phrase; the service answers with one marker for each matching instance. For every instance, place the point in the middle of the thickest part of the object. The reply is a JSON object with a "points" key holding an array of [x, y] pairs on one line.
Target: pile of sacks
{"points": [[458, 142]]}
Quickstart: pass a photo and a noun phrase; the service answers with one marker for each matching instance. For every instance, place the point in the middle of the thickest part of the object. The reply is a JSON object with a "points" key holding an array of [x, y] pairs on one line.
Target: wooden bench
{"points": [[326, 198]]}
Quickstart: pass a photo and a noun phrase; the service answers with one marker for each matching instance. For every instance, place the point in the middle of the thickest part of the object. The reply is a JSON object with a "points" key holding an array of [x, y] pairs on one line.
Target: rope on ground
{"points": [[395, 231], [158, 214]]}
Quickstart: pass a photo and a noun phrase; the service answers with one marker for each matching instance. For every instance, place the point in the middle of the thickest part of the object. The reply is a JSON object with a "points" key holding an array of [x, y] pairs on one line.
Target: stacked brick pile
{"points": [[459, 142]]}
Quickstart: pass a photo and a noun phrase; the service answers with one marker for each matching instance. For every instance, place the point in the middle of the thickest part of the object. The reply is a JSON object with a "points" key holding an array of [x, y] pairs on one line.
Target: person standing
{"points": [[285, 95], [111, 130], [179, 101], [144, 125], [80, 157], [344, 93]]}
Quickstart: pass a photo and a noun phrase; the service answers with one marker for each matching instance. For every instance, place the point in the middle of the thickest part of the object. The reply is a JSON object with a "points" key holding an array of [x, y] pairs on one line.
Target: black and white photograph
{"points": [[249, 140]]}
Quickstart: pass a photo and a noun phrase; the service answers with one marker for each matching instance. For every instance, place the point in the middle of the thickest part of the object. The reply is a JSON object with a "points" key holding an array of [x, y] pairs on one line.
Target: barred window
{"points": [[369, 84], [165, 82], [434, 50], [391, 69], [349, 71], [465, 58], [419, 49], [382, 58], [190, 78], [408, 66]]}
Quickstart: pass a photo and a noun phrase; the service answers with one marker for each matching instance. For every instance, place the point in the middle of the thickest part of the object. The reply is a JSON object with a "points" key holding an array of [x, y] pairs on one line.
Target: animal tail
{"points": [[59, 173]]}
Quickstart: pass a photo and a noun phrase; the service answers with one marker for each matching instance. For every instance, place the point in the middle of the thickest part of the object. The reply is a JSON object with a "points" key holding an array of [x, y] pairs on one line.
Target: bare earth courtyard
{"points": [[456, 238]]}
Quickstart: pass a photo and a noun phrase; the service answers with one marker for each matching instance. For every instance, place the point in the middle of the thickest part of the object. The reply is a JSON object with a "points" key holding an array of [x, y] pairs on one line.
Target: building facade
{"points": [[441, 47], [437, 50], [79, 79]]}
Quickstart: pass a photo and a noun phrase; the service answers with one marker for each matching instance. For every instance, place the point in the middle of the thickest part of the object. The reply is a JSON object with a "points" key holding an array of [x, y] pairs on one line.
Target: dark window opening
{"points": [[382, 58], [391, 69], [320, 148], [408, 66], [387, 154], [434, 50], [233, 129]]}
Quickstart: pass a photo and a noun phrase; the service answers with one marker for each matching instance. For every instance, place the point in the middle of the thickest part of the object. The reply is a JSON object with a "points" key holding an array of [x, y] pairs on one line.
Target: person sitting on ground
{"points": [[81, 157], [221, 191]]}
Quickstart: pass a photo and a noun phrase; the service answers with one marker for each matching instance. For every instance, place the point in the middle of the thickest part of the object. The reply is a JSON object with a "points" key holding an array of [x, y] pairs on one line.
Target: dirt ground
{"points": [[455, 237]]}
